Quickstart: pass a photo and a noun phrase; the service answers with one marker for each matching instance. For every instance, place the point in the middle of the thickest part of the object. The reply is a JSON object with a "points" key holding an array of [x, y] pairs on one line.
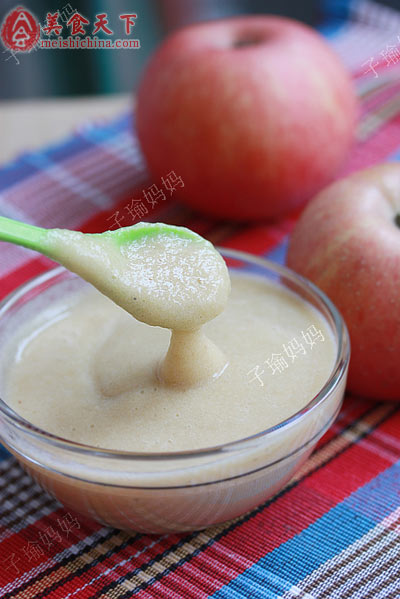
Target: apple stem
{"points": [[240, 43]]}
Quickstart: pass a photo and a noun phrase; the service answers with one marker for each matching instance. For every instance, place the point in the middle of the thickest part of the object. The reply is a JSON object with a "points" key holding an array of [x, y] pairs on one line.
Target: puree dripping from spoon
{"points": [[162, 275]]}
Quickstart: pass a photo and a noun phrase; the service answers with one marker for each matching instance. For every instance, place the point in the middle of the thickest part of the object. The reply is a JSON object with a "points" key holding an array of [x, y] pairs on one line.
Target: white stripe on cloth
{"points": [[75, 548], [376, 15], [390, 589], [370, 30], [126, 147], [357, 43], [296, 591], [48, 209], [13, 257], [40, 511], [390, 454], [38, 194], [356, 554], [58, 173], [389, 570], [9, 210], [128, 178], [119, 564], [114, 182], [36, 506], [131, 167]]}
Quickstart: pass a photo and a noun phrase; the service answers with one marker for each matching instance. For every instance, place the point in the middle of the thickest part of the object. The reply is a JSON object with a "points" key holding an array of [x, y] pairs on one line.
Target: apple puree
{"points": [[162, 279], [87, 371]]}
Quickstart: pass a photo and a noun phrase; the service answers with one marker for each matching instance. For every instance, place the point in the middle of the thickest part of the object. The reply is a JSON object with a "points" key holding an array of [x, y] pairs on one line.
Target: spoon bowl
{"points": [[163, 275]]}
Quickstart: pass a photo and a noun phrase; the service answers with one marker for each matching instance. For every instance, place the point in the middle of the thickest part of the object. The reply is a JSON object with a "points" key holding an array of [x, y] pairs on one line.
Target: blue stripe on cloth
{"points": [[98, 135], [67, 149], [278, 254], [4, 453], [394, 157], [336, 16], [88, 136], [28, 164], [380, 497], [332, 28], [15, 173], [322, 540], [337, 8]]}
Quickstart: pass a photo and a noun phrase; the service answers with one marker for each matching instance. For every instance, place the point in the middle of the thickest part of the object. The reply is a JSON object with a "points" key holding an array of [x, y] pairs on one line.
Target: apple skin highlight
{"points": [[256, 114], [347, 242]]}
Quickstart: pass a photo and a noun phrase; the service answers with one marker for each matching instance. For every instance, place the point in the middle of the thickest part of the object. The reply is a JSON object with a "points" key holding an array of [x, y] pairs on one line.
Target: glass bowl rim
{"points": [[335, 377]]}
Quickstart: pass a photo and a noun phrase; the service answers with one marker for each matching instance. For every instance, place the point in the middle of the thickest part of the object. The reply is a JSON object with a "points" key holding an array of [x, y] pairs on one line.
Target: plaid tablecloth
{"points": [[333, 531]]}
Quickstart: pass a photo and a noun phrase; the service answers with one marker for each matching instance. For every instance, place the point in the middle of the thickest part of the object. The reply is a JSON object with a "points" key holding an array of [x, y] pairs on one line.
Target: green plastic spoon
{"points": [[37, 238], [163, 275]]}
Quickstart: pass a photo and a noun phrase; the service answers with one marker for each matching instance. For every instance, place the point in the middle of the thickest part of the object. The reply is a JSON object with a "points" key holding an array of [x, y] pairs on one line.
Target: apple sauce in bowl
{"points": [[89, 414]]}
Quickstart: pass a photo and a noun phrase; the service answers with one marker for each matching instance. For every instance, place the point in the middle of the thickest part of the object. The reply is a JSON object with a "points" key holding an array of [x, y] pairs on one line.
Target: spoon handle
{"points": [[23, 234]]}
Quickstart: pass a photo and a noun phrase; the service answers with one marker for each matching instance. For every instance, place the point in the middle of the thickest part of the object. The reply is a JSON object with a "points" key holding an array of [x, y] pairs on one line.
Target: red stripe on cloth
{"points": [[388, 436], [46, 200], [364, 72], [380, 97], [104, 220], [349, 471], [22, 274], [375, 149], [175, 214], [12, 257], [256, 541], [136, 554], [21, 543], [302, 505], [94, 168], [260, 239], [199, 225], [353, 409]]}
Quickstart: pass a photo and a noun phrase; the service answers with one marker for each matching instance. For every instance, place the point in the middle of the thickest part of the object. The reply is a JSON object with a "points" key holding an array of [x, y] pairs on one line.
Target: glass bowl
{"points": [[175, 491]]}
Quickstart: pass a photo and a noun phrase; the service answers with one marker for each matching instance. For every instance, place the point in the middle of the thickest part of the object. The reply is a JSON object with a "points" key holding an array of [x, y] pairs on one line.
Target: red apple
{"points": [[254, 113], [347, 242]]}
